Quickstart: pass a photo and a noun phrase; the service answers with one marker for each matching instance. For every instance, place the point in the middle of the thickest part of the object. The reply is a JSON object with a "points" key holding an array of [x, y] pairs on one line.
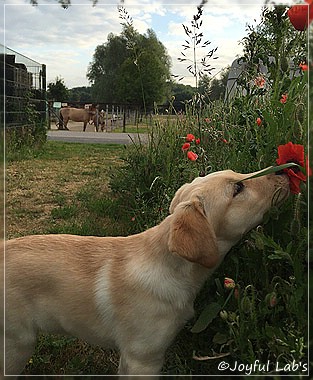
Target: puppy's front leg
{"points": [[146, 364]]}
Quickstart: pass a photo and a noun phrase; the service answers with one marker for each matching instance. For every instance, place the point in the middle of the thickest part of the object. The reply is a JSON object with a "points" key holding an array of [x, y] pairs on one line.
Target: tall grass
{"points": [[267, 320]]}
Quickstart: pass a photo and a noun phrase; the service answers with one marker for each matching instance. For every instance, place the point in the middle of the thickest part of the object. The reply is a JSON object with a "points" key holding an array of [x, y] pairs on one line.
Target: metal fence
{"points": [[104, 115], [23, 87]]}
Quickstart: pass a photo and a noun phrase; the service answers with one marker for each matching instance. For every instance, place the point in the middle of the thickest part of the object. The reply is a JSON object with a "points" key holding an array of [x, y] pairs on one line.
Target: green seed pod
{"points": [[284, 64], [249, 135], [246, 305]]}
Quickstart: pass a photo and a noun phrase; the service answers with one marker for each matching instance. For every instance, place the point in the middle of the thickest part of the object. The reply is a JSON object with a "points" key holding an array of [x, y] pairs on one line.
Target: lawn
{"points": [[60, 190]]}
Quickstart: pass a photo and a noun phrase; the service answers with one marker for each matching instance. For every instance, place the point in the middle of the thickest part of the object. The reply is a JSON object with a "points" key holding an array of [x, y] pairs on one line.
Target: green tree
{"points": [[105, 69], [80, 94], [214, 88], [57, 91], [182, 93], [130, 68]]}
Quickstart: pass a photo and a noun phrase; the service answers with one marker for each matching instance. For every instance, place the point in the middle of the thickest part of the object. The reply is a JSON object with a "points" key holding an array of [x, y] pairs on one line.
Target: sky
{"points": [[65, 39]]}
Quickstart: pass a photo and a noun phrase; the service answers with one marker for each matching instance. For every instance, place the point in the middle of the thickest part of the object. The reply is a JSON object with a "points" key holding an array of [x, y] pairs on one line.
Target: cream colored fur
{"points": [[135, 292]]}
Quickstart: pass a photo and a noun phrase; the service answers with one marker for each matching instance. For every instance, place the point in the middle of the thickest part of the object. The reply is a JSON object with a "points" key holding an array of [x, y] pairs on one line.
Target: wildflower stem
{"points": [[272, 169]]}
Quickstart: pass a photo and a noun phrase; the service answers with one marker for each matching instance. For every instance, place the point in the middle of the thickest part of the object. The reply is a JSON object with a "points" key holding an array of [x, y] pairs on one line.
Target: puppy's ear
{"points": [[177, 198], [192, 236]]}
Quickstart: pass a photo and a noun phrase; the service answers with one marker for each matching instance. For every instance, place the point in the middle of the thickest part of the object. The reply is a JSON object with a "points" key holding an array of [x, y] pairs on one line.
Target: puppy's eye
{"points": [[239, 186]]}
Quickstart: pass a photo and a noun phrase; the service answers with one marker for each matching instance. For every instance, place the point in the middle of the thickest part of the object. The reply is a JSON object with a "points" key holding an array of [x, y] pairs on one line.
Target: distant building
{"points": [[240, 65]]}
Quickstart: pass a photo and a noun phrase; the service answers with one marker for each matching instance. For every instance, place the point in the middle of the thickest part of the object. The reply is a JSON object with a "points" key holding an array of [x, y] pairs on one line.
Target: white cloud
{"points": [[223, 27], [65, 39]]}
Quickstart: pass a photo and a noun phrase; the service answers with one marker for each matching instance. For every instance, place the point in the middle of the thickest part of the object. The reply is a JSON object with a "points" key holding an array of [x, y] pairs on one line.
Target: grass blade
{"points": [[272, 169]]}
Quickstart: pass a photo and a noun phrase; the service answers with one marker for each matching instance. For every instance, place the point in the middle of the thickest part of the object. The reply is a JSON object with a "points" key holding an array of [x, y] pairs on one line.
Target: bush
{"points": [[24, 140], [28, 138], [152, 172]]}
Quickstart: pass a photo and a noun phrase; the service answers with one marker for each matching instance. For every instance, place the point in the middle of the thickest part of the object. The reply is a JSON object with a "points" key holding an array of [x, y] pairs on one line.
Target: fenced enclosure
{"points": [[24, 89], [107, 117]]}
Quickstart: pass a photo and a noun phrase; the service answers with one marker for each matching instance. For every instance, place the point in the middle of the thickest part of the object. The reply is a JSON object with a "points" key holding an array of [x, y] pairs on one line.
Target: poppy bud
{"points": [[224, 315], [259, 121], [246, 305], [271, 299], [283, 98], [249, 135], [284, 64], [229, 283]]}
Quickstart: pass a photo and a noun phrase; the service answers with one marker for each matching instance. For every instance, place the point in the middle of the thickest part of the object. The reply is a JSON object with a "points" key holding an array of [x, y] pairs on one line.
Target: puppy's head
{"points": [[212, 213]]}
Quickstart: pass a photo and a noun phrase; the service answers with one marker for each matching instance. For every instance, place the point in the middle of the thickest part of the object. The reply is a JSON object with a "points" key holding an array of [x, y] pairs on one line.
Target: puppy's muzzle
{"points": [[282, 188]]}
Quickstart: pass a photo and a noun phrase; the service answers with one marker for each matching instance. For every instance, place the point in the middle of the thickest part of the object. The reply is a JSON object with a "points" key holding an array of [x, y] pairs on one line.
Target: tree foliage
{"points": [[214, 88], [80, 94], [106, 67], [57, 91], [130, 68]]}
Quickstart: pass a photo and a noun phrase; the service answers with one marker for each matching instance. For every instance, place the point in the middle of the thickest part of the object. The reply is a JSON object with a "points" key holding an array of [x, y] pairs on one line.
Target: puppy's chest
{"points": [[144, 293], [103, 296]]}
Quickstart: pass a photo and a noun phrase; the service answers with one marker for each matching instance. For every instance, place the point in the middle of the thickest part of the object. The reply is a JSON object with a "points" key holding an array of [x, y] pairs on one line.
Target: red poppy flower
{"points": [[301, 15], [185, 147], [292, 153], [192, 156], [190, 137], [198, 141], [304, 67], [259, 121], [284, 98], [225, 141]]}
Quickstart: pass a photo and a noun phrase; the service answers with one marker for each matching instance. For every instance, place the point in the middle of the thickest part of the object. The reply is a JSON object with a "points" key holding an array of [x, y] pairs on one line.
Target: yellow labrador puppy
{"points": [[134, 292]]}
